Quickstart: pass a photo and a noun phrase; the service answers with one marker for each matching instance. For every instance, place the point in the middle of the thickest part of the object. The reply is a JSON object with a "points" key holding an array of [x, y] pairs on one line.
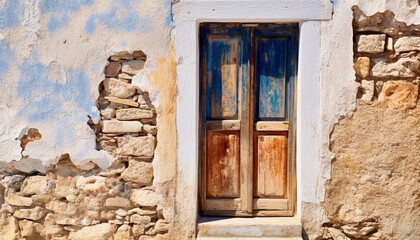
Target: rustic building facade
{"points": [[199, 119]]}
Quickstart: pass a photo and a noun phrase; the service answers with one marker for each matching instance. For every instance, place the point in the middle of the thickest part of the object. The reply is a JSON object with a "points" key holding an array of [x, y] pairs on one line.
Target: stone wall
{"points": [[69, 202], [374, 188]]}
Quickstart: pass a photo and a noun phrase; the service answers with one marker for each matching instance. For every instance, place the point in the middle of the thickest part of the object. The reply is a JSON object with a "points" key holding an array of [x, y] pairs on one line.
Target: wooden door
{"points": [[247, 74]]}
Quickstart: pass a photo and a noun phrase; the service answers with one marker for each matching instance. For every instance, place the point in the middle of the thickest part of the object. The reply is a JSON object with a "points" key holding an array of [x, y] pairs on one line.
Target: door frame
{"points": [[187, 15]]}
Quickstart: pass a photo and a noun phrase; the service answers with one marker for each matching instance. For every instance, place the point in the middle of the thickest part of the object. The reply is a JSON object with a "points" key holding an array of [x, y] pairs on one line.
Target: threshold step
{"points": [[268, 228]]}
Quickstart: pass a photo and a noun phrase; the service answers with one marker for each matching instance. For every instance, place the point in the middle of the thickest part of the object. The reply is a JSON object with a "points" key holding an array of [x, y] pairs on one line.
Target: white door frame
{"points": [[188, 14]]}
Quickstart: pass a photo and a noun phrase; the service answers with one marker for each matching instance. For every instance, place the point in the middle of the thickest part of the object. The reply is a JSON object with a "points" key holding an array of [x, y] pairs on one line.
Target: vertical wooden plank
{"points": [[246, 123], [223, 178], [291, 77], [271, 166], [270, 76], [222, 76]]}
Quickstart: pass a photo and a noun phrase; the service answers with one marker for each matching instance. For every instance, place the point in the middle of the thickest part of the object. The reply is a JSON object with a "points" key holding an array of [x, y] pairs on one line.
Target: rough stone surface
{"points": [[138, 219], [132, 67], [146, 198], [35, 185], [118, 202], [366, 90], [362, 67], [92, 184], [115, 126], [121, 102], [31, 214], [407, 43], [101, 231], [380, 167], [373, 43], [162, 226], [108, 113], [120, 89], [150, 129], [133, 114], [8, 228], [112, 69], [136, 146], [404, 67], [139, 173], [123, 233], [18, 200], [399, 94]]}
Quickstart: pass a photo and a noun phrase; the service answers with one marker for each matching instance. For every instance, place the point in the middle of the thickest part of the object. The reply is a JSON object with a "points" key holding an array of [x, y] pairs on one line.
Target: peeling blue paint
{"points": [[11, 14], [7, 56], [46, 99], [60, 11], [57, 22], [168, 19], [125, 19], [128, 23]]}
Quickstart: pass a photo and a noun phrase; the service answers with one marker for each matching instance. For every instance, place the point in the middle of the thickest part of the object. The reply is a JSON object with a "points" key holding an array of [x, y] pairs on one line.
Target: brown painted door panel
{"points": [[270, 166], [222, 165]]}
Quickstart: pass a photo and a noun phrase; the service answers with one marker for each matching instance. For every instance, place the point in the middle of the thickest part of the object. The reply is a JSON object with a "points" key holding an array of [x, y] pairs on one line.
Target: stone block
{"points": [[91, 185], [114, 126], [140, 173], [150, 129], [133, 114], [406, 44], [132, 67], [399, 94], [404, 67], [144, 197], [35, 185], [32, 214], [136, 146], [112, 69], [9, 229], [120, 89], [101, 231], [119, 102], [31, 230], [362, 67], [108, 113], [138, 229], [367, 89], [123, 233], [138, 219], [117, 202], [162, 226], [17, 200], [372, 43], [125, 76], [141, 211]]}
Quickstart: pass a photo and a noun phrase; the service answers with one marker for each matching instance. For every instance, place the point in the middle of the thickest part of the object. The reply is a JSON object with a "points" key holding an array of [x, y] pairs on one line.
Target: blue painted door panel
{"points": [[223, 56], [270, 78]]}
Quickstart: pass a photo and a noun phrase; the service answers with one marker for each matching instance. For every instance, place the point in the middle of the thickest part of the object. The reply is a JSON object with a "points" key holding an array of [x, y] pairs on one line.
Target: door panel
{"points": [[270, 163], [270, 78], [223, 179], [222, 80]]}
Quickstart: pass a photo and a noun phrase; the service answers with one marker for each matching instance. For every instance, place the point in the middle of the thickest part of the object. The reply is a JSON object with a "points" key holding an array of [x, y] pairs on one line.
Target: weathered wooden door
{"points": [[247, 128]]}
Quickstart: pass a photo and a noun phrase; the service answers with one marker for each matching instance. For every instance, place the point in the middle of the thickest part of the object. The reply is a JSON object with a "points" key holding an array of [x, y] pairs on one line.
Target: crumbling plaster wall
{"points": [[339, 93], [53, 55]]}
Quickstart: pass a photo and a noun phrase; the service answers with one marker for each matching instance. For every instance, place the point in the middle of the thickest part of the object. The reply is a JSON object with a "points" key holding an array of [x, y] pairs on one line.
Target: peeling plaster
{"points": [[51, 69]]}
